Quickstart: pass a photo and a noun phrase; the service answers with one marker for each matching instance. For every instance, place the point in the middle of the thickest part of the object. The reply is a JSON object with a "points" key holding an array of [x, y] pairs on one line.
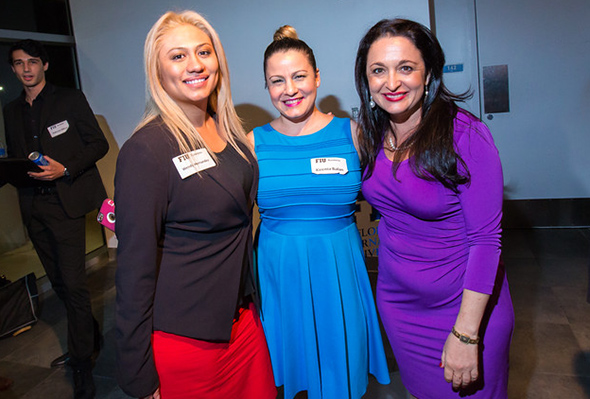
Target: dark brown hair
{"points": [[31, 47], [431, 144]]}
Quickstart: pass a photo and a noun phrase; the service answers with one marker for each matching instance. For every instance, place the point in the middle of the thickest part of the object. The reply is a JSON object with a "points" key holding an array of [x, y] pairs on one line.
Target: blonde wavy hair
{"points": [[160, 104]]}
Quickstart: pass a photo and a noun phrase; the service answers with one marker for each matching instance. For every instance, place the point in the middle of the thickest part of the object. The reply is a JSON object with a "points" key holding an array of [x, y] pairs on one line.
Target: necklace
{"points": [[393, 148]]}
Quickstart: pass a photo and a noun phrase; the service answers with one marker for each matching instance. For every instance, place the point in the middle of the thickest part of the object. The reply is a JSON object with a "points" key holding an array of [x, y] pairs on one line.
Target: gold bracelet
{"points": [[466, 339]]}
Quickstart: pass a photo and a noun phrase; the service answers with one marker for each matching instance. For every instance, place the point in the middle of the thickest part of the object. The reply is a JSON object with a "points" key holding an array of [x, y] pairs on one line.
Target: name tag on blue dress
{"points": [[328, 166]]}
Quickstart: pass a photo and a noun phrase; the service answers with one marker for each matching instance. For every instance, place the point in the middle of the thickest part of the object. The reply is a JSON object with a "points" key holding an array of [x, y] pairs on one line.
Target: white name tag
{"points": [[58, 128], [193, 162], [328, 166]]}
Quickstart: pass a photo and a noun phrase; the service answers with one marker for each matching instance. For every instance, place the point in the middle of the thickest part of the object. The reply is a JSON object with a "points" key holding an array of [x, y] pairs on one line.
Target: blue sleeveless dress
{"points": [[318, 310]]}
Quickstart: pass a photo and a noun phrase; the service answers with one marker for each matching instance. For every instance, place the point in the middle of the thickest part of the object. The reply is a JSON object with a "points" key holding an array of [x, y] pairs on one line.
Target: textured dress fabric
{"points": [[433, 244], [318, 310]]}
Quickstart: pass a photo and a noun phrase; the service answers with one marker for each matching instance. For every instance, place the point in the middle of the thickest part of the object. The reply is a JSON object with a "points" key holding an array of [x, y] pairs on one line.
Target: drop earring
{"points": [[425, 91], [372, 103]]}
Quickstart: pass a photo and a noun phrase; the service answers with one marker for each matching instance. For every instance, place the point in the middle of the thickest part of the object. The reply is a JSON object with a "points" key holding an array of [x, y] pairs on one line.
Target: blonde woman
{"points": [[184, 188]]}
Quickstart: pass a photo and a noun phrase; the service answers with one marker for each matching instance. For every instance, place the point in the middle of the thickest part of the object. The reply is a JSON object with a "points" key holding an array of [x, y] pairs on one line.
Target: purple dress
{"points": [[433, 244]]}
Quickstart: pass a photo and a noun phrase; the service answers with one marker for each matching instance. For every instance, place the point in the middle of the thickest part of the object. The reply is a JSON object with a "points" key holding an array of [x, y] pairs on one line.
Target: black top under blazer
{"points": [[184, 245], [78, 148]]}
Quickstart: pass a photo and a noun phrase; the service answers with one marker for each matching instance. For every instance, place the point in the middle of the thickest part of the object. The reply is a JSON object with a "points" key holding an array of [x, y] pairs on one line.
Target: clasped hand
{"points": [[460, 362]]}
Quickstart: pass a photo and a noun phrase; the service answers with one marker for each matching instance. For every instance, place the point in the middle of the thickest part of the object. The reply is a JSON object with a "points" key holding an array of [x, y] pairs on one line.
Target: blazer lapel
{"points": [[233, 187]]}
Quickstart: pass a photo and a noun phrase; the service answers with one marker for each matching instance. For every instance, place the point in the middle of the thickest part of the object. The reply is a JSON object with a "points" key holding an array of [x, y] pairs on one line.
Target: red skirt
{"points": [[240, 369]]}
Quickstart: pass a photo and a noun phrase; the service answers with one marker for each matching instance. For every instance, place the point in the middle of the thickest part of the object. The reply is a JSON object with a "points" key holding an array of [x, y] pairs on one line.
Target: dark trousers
{"points": [[60, 242]]}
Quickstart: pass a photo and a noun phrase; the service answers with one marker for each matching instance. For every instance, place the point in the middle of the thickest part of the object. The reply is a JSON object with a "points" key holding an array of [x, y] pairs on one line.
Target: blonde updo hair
{"points": [[285, 39], [285, 32], [160, 104]]}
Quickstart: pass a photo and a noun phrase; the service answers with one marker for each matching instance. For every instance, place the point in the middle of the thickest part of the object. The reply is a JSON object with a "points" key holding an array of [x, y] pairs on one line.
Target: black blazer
{"points": [[185, 246], [78, 149]]}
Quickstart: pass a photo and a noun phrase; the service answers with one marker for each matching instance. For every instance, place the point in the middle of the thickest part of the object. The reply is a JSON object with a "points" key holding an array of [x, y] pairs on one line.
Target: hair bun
{"points": [[285, 32]]}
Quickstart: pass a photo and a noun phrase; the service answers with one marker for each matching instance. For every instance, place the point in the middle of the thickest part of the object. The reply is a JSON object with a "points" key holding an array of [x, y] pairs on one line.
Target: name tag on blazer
{"points": [[58, 128], [193, 162], [328, 166]]}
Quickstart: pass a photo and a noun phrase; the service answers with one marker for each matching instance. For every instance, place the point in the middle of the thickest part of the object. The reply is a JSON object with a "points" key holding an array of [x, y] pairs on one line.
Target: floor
{"points": [[550, 356]]}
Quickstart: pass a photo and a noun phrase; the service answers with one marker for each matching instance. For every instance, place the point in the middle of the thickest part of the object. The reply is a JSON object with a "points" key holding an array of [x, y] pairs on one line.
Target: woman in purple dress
{"points": [[433, 172]]}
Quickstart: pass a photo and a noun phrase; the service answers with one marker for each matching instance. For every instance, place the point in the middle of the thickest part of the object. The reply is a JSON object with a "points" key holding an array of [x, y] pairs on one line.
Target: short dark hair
{"points": [[31, 47]]}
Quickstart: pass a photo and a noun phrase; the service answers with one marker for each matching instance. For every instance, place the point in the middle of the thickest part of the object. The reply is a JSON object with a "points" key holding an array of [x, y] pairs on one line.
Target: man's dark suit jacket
{"points": [[78, 148], [185, 246]]}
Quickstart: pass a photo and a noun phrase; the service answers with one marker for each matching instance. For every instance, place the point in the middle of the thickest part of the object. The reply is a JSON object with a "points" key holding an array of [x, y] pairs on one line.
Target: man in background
{"points": [[58, 123]]}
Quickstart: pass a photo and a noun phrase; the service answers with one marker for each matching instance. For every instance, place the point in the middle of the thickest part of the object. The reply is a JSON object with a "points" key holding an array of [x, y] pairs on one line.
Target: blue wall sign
{"points": [[453, 68]]}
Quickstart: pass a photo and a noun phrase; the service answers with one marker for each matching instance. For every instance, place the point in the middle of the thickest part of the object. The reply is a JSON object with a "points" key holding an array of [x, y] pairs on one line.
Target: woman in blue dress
{"points": [[318, 310]]}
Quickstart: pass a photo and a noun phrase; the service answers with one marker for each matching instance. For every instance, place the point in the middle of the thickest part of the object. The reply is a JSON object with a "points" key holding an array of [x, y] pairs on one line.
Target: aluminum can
{"points": [[38, 158]]}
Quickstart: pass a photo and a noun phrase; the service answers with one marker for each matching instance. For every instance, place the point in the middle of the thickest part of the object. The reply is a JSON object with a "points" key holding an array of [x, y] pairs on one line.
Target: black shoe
{"points": [[64, 359], [83, 384], [61, 360]]}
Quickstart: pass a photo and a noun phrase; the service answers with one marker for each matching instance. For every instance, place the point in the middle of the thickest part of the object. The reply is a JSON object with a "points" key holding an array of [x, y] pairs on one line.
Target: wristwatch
{"points": [[466, 339], [66, 172]]}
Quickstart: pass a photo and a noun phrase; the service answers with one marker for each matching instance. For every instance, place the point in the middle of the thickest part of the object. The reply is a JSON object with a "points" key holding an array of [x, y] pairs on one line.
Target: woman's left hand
{"points": [[460, 362]]}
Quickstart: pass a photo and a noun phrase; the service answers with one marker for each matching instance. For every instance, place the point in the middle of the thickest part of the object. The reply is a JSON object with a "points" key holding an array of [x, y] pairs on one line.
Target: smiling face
{"points": [[397, 75], [29, 70], [188, 66], [292, 84]]}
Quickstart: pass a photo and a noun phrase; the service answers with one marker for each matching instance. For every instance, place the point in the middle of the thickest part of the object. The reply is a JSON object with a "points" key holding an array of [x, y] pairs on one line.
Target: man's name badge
{"points": [[328, 166], [58, 128], [193, 162]]}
